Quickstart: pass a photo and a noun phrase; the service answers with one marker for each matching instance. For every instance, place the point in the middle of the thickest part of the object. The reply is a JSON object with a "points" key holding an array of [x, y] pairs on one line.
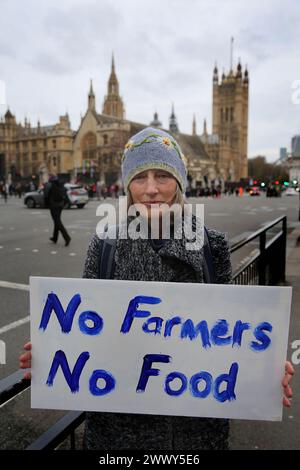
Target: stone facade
{"points": [[40, 150], [228, 142], [95, 149]]}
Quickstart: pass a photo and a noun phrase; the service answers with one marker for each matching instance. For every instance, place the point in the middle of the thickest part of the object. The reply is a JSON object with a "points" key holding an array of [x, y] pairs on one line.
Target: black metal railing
{"points": [[265, 267]]}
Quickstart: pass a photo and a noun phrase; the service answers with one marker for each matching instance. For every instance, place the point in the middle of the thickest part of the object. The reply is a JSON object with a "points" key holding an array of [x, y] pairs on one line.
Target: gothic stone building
{"points": [[97, 146], [27, 151], [100, 140]]}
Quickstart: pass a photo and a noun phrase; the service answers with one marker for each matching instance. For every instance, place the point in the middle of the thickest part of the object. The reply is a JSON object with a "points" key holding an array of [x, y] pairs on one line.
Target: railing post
{"points": [[262, 259], [72, 440], [284, 226]]}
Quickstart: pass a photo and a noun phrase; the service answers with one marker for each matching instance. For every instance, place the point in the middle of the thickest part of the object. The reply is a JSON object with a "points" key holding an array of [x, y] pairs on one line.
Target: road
{"points": [[25, 250]]}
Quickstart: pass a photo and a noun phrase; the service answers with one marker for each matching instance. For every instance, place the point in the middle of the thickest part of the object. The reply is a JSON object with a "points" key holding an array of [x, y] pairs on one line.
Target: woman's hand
{"points": [[25, 360], [287, 390]]}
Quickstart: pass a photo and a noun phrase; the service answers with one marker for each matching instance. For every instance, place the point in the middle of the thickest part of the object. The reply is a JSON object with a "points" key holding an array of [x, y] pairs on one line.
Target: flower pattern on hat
{"points": [[153, 149]]}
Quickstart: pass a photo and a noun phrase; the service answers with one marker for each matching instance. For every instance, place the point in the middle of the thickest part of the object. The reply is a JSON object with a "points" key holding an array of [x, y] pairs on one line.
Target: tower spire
{"points": [[91, 87], [113, 104], [194, 125], [91, 98], [231, 53], [112, 63], [173, 126]]}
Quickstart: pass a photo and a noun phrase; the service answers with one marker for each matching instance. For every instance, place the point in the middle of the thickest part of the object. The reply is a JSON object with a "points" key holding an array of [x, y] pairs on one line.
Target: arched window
{"points": [[88, 146], [105, 139]]}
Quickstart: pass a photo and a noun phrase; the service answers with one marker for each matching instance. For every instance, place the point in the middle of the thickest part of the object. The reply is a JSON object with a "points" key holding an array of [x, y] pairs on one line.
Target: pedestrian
{"points": [[98, 190], [4, 191], [154, 172], [54, 197]]}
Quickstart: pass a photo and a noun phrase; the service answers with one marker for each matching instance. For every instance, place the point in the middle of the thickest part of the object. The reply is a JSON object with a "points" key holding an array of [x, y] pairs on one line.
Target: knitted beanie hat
{"points": [[153, 149]]}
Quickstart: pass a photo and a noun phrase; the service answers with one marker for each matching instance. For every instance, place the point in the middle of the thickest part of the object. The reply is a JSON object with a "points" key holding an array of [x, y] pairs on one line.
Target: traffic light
{"points": [[286, 183], [277, 182]]}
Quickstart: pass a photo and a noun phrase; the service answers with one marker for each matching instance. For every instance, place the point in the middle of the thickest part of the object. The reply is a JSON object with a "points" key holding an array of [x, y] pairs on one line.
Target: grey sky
{"points": [[165, 52]]}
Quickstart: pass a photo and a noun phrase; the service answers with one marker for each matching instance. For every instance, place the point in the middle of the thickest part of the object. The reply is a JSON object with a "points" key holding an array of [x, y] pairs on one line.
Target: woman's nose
{"points": [[151, 185]]}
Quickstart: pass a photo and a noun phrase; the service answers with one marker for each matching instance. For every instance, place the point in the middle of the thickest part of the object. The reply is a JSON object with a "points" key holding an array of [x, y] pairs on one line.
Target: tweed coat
{"points": [[142, 260]]}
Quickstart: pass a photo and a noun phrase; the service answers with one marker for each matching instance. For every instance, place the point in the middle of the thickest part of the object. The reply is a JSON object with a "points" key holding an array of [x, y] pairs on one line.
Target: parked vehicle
{"points": [[254, 191], [76, 195], [291, 192]]}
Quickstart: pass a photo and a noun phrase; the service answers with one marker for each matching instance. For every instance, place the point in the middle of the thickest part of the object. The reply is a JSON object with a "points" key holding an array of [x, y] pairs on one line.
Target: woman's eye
{"points": [[163, 176], [139, 177]]}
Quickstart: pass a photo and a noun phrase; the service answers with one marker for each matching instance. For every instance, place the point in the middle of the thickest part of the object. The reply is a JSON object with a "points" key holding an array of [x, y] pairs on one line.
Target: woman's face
{"points": [[153, 188]]}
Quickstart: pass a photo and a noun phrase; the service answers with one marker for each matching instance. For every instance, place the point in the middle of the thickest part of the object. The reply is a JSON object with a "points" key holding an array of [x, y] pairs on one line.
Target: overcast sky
{"points": [[165, 51]]}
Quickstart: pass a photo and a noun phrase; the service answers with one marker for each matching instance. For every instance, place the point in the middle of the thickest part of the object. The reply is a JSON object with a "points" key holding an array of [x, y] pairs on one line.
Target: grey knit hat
{"points": [[153, 149]]}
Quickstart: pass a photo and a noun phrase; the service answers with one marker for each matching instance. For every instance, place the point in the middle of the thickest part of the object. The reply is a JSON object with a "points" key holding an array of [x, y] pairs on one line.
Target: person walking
{"points": [[55, 198]]}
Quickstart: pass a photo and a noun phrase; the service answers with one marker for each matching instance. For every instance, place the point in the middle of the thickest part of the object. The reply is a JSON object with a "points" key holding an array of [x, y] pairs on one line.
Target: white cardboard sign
{"points": [[159, 348]]}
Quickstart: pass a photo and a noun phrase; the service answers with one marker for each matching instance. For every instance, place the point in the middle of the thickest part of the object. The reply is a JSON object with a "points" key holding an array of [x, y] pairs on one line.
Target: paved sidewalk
{"points": [[285, 434]]}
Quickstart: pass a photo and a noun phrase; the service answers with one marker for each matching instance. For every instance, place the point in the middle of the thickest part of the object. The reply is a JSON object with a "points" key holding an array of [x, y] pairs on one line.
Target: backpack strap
{"points": [[208, 264], [107, 258]]}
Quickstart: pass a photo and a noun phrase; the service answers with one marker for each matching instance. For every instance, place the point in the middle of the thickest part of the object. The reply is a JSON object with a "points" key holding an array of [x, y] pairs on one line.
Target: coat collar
{"points": [[176, 247]]}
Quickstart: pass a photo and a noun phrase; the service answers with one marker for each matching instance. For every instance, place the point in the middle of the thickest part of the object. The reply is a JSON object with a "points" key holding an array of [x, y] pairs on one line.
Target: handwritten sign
{"points": [[159, 348]]}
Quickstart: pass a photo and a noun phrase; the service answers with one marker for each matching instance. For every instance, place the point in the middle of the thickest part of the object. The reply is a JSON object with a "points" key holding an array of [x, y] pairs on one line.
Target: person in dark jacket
{"points": [[154, 172], [55, 199]]}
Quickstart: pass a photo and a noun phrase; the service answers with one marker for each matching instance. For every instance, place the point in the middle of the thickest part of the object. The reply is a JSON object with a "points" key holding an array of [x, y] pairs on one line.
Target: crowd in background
{"points": [[100, 191]]}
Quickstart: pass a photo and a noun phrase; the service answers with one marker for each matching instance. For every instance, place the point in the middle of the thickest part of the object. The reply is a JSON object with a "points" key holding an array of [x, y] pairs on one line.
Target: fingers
{"points": [[28, 346], [25, 360], [289, 372], [286, 402], [286, 379], [27, 376], [289, 368], [288, 392]]}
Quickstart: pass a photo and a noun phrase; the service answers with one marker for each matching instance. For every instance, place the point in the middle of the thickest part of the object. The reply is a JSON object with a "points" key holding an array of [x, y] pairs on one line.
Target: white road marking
{"points": [[18, 249], [216, 214], [1, 247], [14, 285], [14, 324], [72, 254], [53, 252], [35, 251]]}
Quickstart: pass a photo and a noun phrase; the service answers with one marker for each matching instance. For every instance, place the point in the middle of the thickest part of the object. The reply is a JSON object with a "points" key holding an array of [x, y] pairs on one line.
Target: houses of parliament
{"points": [[95, 149]]}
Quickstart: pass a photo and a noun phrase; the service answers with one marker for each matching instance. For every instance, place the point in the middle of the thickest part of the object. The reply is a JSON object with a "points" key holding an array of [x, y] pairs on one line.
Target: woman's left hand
{"points": [[287, 390]]}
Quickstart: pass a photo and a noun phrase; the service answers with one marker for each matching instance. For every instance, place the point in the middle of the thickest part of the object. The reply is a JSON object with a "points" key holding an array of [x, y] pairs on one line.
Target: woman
{"points": [[154, 173]]}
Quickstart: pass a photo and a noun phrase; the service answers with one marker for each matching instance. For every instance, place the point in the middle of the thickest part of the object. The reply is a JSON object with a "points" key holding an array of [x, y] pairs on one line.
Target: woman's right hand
{"points": [[25, 360]]}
